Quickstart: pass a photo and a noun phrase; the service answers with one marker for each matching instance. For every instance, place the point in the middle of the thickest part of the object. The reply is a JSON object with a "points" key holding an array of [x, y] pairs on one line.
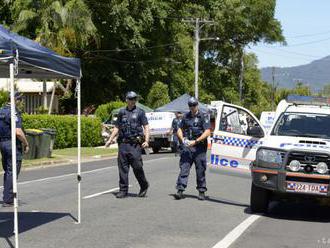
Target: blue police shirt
{"points": [[175, 124], [130, 122], [194, 126], [5, 121]]}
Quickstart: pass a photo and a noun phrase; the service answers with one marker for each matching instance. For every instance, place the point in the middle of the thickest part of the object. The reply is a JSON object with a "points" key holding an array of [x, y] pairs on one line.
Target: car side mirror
{"points": [[255, 131]]}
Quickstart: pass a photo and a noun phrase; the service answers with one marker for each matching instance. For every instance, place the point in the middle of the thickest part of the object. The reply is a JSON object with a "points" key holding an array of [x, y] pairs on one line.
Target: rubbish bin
{"points": [[43, 146], [51, 133], [33, 137]]}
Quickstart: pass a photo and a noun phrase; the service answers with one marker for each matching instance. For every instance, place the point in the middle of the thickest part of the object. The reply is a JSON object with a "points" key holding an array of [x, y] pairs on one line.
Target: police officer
{"points": [[193, 132], [6, 151], [174, 129], [133, 135]]}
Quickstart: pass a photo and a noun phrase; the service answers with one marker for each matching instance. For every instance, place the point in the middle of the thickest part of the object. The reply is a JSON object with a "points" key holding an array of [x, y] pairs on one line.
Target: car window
{"points": [[235, 120]]}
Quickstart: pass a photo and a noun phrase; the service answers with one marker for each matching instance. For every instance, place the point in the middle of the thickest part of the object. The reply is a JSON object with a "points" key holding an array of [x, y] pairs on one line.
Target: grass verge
{"points": [[69, 155]]}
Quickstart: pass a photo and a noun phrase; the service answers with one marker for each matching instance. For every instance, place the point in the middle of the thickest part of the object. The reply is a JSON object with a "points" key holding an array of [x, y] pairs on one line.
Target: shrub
{"points": [[3, 97], [158, 95], [66, 129], [103, 111]]}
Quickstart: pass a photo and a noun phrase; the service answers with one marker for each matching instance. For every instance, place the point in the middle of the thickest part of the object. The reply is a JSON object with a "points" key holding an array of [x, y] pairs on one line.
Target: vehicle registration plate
{"points": [[311, 188]]}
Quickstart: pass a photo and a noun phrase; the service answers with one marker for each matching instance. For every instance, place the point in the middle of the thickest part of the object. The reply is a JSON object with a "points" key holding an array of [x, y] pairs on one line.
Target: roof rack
{"points": [[308, 100]]}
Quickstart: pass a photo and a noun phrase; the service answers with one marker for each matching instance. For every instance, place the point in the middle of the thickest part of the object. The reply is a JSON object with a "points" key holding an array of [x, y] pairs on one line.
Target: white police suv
{"points": [[292, 158]]}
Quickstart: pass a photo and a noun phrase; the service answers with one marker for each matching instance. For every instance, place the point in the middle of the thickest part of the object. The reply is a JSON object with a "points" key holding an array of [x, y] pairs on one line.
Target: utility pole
{"points": [[196, 48], [273, 87], [241, 72], [198, 28]]}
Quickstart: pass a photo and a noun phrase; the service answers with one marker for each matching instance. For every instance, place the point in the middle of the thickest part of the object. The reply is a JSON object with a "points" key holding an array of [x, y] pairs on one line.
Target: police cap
{"points": [[131, 95], [192, 101]]}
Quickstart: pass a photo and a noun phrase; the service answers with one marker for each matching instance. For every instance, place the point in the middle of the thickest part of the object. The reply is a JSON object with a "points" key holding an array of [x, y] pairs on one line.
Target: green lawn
{"points": [[85, 152]]}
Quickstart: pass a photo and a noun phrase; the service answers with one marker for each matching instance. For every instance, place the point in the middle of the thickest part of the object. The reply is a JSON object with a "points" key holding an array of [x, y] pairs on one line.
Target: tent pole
{"points": [[13, 149], [52, 99], [79, 150]]}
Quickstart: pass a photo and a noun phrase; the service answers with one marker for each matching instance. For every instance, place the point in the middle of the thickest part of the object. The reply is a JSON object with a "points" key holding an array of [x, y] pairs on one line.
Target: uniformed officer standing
{"points": [[133, 135], [174, 129], [6, 151], [193, 132]]}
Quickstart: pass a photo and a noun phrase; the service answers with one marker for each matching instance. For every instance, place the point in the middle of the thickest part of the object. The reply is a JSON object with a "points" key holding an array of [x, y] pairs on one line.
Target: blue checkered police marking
{"points": [[323, 188], [246, 143], [291, 186]]}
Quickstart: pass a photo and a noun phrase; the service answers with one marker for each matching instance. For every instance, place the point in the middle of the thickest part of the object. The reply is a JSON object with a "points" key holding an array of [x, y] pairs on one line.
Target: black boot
{"points": [[201, 196], [121, 194], [143, 191], [179, 195], [7, 204]]}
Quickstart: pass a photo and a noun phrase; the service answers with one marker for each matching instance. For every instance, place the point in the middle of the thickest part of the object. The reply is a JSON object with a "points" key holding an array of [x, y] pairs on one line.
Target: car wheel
{"points": [[155, 149], [259, 199]]}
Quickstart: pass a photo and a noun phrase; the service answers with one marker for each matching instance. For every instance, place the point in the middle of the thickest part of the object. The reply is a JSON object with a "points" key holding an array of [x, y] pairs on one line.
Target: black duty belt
{"points": [[132, 140]]}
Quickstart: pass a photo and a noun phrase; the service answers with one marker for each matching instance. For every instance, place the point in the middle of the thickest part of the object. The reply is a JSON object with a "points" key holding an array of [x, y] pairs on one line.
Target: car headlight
{"points": [[269, 158], [294, 165], [322, 168]]}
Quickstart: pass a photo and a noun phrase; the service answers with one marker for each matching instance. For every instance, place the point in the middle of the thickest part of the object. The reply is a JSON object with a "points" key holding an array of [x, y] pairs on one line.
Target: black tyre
{"points": [[174, 149], [259, 199], [155, 149]]}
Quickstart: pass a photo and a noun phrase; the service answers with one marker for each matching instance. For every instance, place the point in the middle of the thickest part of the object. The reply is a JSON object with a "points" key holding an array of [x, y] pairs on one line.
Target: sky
{"points": [[306, 28]]}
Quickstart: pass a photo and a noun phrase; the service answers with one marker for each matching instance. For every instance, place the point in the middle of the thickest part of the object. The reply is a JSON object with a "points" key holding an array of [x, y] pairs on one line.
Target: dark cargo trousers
{"points": [[7, 165], [190, 155], [130, 155]]}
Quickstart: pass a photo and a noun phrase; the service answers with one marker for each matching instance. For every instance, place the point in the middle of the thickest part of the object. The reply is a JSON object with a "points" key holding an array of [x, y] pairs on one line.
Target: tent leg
{"points": [[13, 148], [79, 150]]}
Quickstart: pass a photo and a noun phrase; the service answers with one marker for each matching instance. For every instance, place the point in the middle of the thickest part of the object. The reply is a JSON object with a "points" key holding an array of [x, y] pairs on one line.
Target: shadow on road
{"points": [[300, 211], [304, 211], [26, 221], [128, 194], [220, 201]]}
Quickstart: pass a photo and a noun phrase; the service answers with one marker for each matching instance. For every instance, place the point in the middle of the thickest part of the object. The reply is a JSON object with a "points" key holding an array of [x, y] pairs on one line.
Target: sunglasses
{"points": [[132, 99], [192, 105]]}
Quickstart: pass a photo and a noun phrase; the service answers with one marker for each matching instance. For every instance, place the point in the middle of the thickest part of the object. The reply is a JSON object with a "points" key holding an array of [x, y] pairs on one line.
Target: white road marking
{"points": [[102, 193], [5, 220], [231, 237], [74, 174]]}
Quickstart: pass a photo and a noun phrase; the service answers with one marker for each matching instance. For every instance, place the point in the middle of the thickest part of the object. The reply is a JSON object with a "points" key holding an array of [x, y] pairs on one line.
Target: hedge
{"points": [[103, 111], [66, 129]]}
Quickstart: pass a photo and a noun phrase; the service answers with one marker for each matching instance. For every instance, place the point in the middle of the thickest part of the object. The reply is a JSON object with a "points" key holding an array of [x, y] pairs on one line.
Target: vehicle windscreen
{"points": [[303, 125]]}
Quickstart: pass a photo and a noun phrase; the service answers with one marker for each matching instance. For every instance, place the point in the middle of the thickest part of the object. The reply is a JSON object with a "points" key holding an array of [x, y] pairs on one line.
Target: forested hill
{"points": [[315, 74]]}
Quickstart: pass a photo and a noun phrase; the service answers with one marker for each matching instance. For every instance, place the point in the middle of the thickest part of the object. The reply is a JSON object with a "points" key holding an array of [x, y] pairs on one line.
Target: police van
{"points": [[292, 159], [160, 124]]}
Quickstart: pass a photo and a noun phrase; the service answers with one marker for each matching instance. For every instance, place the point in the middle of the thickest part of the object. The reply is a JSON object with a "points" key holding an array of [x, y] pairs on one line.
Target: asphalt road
{"points": [[48, 208]]}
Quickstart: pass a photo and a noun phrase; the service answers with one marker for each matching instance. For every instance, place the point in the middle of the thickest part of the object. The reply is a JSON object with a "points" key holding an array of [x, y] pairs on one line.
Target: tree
{"points": [[158, 95], [64, 26], [300, 89], [145, 41], [5, 12], [326, 90]]}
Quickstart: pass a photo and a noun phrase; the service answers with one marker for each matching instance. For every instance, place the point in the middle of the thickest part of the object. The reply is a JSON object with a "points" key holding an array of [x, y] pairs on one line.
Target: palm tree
{"points": [[65, 26]]}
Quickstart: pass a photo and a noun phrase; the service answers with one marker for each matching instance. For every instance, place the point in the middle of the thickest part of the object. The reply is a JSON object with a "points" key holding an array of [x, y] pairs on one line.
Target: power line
{"points": [[309, 35], [289, 57], [133, 49], [138, 61], [296, 53], [301, 44]]}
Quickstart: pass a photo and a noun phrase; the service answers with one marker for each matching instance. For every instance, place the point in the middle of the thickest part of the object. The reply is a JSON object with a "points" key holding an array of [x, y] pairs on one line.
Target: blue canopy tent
{"points": [[23, 58], [180, 105]]}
